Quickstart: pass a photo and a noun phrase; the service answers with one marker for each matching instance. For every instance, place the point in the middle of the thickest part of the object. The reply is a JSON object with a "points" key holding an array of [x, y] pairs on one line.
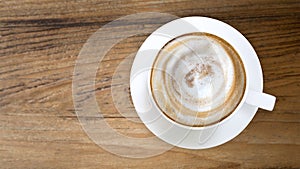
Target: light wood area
{"points": [[39, 45]]}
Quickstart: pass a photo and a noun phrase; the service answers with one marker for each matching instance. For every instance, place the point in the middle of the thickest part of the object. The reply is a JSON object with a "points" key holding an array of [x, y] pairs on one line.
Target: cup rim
{"points": [[223, 120]]}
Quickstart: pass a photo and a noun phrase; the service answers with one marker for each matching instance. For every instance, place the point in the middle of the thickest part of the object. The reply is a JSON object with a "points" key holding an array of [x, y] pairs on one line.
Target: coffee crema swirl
{"points": [[197, 79]]}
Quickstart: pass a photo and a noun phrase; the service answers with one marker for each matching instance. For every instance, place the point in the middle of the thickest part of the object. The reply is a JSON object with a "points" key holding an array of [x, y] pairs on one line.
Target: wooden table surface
{"points": [[40, 42]]}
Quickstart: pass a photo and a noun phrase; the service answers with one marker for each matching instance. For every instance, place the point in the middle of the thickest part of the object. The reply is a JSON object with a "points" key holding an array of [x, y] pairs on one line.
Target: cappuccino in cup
{"points": [[197, 79]]}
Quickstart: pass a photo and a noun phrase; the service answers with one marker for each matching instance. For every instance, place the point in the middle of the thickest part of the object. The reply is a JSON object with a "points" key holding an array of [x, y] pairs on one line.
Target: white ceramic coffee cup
{"points": [[207, 136]]}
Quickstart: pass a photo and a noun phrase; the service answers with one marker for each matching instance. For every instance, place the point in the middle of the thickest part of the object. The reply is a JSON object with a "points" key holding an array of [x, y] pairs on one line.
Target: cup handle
{"points": [[261, 100]]}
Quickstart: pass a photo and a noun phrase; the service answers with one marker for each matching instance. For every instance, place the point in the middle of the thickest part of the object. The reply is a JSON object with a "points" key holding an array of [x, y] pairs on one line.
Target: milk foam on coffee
{"points": [[197, 79]]}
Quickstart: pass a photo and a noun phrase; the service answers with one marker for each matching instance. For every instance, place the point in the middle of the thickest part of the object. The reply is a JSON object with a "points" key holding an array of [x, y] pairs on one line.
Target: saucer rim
{"points": [[258, 80]]}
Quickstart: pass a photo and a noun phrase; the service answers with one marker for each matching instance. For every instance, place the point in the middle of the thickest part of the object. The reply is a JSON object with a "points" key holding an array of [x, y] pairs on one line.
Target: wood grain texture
{"points": [[39, 44]]}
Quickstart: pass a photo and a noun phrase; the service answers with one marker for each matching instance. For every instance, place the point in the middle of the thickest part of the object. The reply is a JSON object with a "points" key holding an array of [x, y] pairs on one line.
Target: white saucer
{"points": [[163, 127]]}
